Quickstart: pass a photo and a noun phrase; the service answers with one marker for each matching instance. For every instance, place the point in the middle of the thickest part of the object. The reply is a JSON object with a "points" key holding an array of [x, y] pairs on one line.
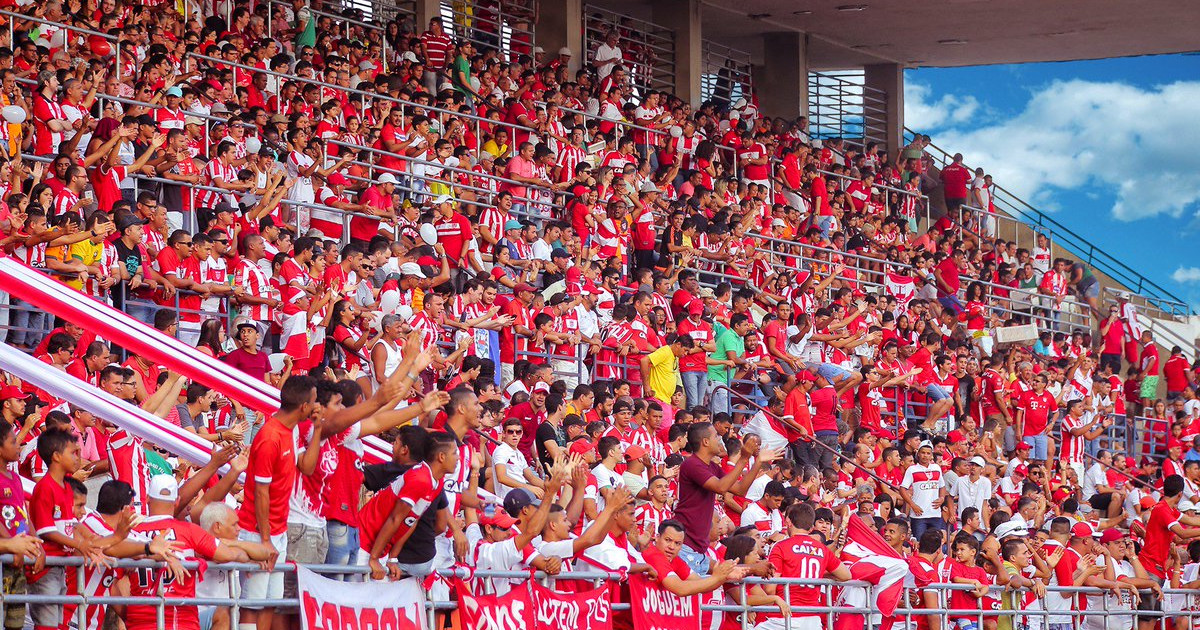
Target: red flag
{"points": [[872, 560], [903, 288]]}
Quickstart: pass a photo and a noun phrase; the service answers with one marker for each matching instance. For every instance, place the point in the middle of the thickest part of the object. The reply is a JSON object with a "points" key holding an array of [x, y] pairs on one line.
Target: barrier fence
{"points": [[1001, 601]]}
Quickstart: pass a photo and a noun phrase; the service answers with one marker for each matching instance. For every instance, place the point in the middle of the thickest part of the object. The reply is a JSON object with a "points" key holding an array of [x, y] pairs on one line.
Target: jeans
{"points": [[141, 311], [951, 302], [696, 561], [694, 384], [28, 322], [830, 440], [718, 397], [1041, 446], [919, 525], [343, 546]]}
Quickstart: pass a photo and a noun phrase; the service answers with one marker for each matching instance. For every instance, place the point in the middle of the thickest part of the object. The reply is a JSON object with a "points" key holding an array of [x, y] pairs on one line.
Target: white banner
{"points": [[327, 604]]}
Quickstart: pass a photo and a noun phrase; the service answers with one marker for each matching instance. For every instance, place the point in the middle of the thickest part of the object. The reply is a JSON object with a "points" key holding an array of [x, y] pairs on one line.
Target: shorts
{"points": [[966, 624], [1151, 603], [1090, 291], [53, 582], [1149, 387], [305, 545], [832, 373], [1101, 501], [15, 584], [260, 585]]}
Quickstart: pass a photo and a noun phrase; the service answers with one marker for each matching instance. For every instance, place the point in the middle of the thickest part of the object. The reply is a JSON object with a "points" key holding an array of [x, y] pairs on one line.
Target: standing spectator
{"points": [[955, 178], [438, 46], [701, 480], [454, 235], [924, 492], [270, 481], [661, 367], [608, 55], [729, 353], [1149, 363]]}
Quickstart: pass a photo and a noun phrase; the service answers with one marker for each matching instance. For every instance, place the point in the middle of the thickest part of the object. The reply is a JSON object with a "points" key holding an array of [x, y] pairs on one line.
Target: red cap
{"points": [[885, 434], [802, 277], [10, 392], [1022, 470], [1112, 535], [1147, 503], [1024, 446], [337, 179], [1084, 530], [524, 286], [1130, 462], [1174, 443], [427, 261], [695, 307], [804, 376], [500, 519], [541, 387], [955, 436], [635, 452], [579, 447]]}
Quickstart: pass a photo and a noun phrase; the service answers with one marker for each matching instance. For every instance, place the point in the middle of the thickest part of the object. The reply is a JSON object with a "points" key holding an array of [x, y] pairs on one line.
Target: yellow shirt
{"points": [[663, 378], [88, 253], [497, 151]]}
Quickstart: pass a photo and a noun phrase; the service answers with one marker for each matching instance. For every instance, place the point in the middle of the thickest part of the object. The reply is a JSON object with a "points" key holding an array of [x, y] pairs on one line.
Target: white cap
{"points": [[538, 50], [925, 444], [978, 461], [1011, 528], [441, 199], [777, 222], [164, 488], [409, 56], [1185, 506], [387, 178], [412, 269], [649, 187], [564, 51]]}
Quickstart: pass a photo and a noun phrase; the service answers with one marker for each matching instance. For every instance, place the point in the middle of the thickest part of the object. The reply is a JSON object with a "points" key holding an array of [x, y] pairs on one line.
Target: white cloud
{"points": [[1083, 137], [1184, 275], [920, 112]]}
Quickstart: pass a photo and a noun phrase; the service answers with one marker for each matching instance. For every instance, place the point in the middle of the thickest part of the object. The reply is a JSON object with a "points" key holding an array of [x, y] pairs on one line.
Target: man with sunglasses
{"points": [[511, 467]]}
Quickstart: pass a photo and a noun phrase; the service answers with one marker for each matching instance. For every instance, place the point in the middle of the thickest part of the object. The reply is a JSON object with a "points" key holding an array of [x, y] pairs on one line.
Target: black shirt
{"points": [[547, 432], [132, 259]]}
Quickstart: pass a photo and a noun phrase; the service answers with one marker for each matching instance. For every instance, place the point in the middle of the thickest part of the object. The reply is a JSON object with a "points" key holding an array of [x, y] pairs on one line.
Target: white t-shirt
{"points": [[514, 463], [766, 522], [500, 556], [1095, 476], [605, 52], [924, 482], [605, 479]]}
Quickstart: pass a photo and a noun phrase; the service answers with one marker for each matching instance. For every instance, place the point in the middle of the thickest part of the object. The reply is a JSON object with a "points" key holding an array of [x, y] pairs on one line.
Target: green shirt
{"points": [[726, 340], [463, 65], [157, 464]]}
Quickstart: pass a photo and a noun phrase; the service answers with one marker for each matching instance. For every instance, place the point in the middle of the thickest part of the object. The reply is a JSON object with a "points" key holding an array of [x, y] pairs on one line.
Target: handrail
{"points": [[1022, 210]]}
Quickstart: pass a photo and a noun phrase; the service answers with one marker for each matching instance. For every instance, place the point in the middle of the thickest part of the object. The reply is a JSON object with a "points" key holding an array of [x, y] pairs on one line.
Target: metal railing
{"points": [[649, 48], [502, 25], [841, 106], [728, 73], [1013, 208]]}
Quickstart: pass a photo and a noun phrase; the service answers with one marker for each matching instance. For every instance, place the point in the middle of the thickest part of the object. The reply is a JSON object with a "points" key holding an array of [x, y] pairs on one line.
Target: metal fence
{"points": [[649, 48], [502, 25], [728, 74], [840, 105], [835, 598]]}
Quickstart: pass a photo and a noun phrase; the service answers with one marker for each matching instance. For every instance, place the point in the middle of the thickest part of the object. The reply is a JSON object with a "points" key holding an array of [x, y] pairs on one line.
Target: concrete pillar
{"points": [[560, 24], [683, 17], [782, 80], [887, 125], [427, 10]]}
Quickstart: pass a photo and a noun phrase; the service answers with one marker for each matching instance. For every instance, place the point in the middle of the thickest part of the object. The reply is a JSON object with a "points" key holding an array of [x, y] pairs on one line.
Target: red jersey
{"points": [[416, 487], [127, 460], [52, 509], [194, 544], [1158, 539], [1037, 411], [802, 557], [273, 457], [1072, 445]]}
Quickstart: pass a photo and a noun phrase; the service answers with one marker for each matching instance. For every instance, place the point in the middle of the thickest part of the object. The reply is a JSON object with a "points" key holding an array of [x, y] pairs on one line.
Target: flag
{"points": [[903, 288], [871, 560]]}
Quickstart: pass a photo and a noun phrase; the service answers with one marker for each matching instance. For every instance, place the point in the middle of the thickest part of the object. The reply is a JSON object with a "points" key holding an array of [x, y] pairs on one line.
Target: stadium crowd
{"points": [[601, 328]]}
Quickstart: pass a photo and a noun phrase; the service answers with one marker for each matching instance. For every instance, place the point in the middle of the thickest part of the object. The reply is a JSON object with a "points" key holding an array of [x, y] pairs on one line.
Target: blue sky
{"points": [[1111, 148]]}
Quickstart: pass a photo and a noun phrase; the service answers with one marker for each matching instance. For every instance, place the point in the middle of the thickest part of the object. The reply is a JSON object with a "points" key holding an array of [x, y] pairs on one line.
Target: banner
{"points": [[591, 610], [901, 287], [512, 611], [656, 608], [872, 560], [327, 604]]}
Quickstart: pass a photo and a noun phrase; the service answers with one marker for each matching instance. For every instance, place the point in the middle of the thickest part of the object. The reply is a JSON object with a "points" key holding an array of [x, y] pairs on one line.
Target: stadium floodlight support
{"points": [[31, 286]]}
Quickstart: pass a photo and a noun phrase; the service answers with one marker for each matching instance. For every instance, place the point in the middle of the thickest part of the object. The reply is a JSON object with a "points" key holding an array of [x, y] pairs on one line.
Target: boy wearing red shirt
{"points": [[805, 557]]}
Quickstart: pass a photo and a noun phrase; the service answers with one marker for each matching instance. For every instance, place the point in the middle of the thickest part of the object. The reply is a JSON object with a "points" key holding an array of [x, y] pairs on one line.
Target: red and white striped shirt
{"points": [[1073, 445], [430, 330], [127, 459], [255, 283], [215, 171], [648, 518]]}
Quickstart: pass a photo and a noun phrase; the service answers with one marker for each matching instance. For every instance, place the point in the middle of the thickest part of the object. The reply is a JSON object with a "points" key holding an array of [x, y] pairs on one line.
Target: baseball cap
{"points": [[441, 199], [225, 206], [778, 223], [1024, 446], [366, 65], [925, 444], [11, 391], [1130, 462], [955, 437], [1084, 530], [427, 261], [695, 307], [564, 51], [174, 91], [1112, 535], [244, 322], [524, 286], [648, 187], [978, 461], [164, 488], [802, 277], [499, 519], [804, 376], [635, 452], [1174, 443], [127, 220], [1148, 502], [541, 387], [1022, 470], [579, 447], [706, 292], [559, 253], [337, 179], [512, 224], [1011, 528], [411, 269], [518, 499], [387, 178], [279, 118]]}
